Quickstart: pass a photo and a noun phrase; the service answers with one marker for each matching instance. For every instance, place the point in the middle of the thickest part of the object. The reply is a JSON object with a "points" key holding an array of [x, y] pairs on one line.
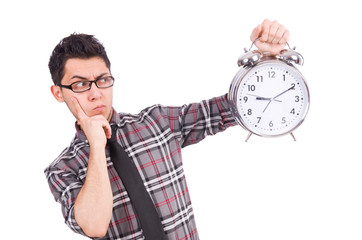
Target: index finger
{"points": [[255, 33], [265, 30], [79, 112]]}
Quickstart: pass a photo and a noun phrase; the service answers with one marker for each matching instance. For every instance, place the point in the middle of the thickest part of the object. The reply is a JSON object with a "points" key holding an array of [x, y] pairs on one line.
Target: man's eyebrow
{"points": [[84, 78]]}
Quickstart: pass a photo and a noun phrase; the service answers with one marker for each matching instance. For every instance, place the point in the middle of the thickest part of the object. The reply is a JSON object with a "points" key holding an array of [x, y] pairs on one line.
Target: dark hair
{"points": [[75, 46]]}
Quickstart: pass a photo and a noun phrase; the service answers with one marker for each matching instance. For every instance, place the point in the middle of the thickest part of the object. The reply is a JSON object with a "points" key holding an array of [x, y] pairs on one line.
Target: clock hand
{"points": [[274, 98], [257, 96], [263, 98], [267, 105], [268, 99], [283, 92]]}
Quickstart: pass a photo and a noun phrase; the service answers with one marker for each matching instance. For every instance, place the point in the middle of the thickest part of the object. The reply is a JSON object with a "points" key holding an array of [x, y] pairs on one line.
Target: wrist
{"points": [[97, 151], [97, 147]]}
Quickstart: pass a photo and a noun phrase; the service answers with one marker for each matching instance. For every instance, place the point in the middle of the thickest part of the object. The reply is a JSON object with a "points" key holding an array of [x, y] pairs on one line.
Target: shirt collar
{"points": [[115, 120]]}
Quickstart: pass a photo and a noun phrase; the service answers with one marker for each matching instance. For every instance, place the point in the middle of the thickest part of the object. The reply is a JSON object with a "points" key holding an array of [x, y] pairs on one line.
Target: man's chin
{"points": [[106, 115]]}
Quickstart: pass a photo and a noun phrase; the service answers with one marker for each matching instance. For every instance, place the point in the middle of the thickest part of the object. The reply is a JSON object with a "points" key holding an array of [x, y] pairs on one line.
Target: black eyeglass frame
{"points": [[90, 84]]}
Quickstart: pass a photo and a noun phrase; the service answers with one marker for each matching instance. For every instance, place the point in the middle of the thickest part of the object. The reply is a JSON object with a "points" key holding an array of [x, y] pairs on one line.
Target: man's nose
{"points": [[94, 92]]}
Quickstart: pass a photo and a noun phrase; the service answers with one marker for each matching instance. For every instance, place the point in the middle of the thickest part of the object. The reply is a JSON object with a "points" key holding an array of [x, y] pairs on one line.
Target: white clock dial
{"points": [[272, 99]]}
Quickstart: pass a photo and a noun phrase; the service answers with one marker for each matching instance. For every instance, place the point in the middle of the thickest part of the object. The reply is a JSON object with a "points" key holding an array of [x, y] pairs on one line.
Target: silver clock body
{"points": [[269, 98]]}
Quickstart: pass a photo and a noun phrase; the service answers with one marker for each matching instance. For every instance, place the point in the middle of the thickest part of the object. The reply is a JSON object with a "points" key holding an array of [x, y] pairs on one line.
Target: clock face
{"points": [[271, 99]]}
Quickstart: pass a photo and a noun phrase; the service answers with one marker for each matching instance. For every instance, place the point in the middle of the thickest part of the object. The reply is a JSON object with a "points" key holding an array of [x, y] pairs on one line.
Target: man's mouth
{"points": [[99, 108]]}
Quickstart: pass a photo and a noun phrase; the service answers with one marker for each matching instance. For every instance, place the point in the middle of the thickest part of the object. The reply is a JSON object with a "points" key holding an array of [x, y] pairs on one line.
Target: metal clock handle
{"points": [[287, 55], [257, 39]]}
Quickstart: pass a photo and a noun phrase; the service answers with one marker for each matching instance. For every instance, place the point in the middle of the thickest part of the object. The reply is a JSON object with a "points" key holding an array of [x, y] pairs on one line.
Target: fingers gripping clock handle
{"points": [[257, 39], [286, 55]]}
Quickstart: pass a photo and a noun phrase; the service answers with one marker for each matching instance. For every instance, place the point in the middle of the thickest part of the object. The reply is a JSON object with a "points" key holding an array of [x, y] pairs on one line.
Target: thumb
{"points": [[108, 131]]}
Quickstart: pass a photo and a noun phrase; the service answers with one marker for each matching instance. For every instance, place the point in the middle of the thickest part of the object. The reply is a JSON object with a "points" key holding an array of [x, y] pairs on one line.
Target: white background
{"points": [[177, 52]]}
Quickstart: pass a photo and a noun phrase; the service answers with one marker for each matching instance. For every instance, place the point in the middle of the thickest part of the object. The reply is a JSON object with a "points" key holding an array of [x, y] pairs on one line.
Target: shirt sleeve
{"points": [[193, 122], [65, 187]]}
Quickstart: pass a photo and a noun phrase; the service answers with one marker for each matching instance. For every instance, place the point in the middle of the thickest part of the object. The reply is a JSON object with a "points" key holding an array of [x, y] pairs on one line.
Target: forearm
{"points": [[94, 203], [206, 118]]}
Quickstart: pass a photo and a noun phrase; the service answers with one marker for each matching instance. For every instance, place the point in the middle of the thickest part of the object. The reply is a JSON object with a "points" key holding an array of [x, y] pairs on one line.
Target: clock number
{"points": [[259, 118], [296, 98], [293, 85], [284, 120], [259, 78], [245, 99], [250, 111], [271, 124], [283, 77], [251, 88], [293, 111], [271, 74]]}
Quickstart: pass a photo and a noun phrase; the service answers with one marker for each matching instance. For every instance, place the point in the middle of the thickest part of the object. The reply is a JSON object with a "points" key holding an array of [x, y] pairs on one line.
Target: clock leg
{"points": [[247, 138], [293, 136]]}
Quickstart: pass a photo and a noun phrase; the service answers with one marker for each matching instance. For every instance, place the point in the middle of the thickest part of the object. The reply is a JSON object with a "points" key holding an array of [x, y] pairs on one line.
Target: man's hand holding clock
{"points": [[273, 37]]}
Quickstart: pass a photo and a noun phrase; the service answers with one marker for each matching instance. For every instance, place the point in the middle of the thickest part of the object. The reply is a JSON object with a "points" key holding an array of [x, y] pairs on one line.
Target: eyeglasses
{"points": [[85, 85]]}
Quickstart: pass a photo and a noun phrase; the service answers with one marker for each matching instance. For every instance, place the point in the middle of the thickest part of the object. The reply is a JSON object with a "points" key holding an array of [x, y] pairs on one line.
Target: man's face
{"points": [[96, 101]]}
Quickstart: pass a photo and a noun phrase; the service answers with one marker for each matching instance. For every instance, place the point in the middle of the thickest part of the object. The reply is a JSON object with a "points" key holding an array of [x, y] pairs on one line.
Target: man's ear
{"points": [[57, 93]]}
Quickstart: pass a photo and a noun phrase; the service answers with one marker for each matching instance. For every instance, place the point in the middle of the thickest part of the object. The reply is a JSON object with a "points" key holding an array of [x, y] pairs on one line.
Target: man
{"points": [[83, 178]]}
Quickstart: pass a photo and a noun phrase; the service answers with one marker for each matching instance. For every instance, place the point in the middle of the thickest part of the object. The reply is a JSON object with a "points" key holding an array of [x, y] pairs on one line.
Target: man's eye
{"points": [[80, 84]]}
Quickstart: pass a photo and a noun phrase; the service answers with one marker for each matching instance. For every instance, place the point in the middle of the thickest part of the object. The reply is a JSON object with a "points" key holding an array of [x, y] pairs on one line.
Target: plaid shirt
{"points": [[153, 139]]}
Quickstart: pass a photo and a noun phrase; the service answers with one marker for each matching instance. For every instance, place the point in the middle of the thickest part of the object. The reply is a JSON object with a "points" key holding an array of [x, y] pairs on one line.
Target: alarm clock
{"points": [[269, 96]]}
